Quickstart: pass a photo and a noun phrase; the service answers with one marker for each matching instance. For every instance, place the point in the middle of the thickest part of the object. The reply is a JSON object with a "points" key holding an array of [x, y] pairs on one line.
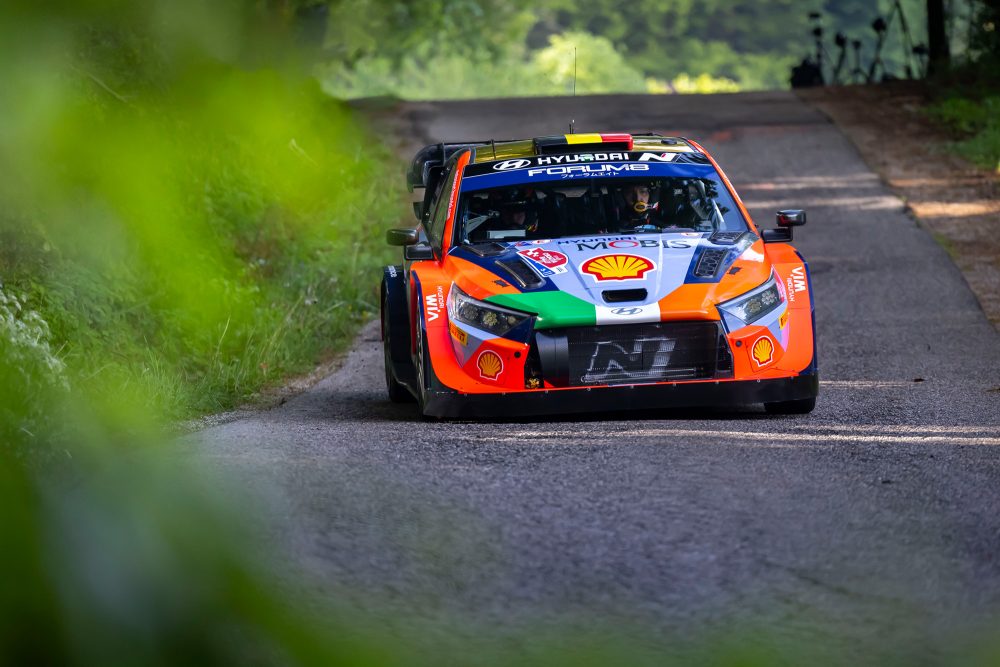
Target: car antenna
{"points": [[572, 121]]}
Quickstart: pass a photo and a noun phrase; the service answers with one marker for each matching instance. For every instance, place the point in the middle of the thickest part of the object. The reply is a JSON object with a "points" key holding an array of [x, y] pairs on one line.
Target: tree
{"points": [[939, 54]]}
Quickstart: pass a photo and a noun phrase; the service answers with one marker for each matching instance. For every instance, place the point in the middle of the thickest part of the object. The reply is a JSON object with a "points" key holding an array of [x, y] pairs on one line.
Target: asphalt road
{"points": [[869, 528]]}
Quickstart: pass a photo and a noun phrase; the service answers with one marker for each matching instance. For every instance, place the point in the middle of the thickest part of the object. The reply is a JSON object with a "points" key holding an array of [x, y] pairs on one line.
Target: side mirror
{"points": [[791, 217], [404, 237], [418, 252]]}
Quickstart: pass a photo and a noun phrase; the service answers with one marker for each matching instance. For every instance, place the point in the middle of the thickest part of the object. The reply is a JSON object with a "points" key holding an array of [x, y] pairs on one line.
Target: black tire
{"points": [[421, 362], [397, 392], [802, 406]]}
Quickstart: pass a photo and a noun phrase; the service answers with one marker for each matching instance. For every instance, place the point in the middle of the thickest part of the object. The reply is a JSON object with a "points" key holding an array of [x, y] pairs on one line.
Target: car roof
{"points": [[430, 160], [579, 143]]}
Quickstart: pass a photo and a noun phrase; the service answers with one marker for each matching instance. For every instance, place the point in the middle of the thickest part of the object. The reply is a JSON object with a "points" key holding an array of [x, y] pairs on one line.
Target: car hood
{"points": [[617, 278]]}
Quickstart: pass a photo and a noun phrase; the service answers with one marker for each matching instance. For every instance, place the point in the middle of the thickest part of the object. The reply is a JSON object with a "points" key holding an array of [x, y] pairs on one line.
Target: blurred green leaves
{"points": [[188, 223], [184, 216]]}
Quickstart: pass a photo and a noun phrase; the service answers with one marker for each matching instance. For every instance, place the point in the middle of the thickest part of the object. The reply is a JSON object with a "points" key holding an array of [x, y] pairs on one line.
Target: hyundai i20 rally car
{"points": [[591, 272]]}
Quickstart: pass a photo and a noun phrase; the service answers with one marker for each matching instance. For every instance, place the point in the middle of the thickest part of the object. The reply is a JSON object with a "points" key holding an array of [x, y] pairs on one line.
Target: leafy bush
{"points": [[428, 74], [977, 124]]}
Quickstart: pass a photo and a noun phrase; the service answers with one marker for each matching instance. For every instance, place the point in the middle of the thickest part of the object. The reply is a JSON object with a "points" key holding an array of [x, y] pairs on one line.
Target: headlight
{"points": [[753, 305], [485, 316]]}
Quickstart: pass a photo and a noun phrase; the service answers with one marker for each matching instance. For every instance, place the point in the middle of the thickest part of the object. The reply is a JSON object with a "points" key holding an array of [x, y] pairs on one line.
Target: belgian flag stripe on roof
{"points": [[573, 142]]}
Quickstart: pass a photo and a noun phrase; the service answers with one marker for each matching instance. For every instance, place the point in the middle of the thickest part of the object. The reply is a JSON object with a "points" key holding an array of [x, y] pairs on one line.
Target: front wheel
{"points": [[397, 392], [802, 406]]}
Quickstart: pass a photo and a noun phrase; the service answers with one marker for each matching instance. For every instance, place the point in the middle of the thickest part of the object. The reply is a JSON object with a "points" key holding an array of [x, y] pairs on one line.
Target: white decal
{"points": [[583, 157], [511, 164], [662, 157], [798, 279], [647, 313], [433, 304], [584, 169], [392, 271]]}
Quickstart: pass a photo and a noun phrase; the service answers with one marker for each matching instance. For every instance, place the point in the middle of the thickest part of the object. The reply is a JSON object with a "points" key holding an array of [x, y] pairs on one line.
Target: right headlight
{"points": [[481, 315], [750, 307]]}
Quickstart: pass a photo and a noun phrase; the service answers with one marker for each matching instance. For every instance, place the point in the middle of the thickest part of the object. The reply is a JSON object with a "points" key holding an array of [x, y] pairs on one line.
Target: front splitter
{"points": [[447, 404]]}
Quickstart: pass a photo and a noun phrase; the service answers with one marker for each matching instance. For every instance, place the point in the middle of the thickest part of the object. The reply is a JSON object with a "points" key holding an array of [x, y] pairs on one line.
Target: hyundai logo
{"points": [[511, 164], [626, 311]]}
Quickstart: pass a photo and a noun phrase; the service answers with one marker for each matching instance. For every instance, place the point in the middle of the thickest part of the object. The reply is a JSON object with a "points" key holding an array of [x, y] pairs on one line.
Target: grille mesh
{"points": [[659, 352]]}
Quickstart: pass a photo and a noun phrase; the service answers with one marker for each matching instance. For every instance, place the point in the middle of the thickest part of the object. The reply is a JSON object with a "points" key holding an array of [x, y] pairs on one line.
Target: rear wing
{"points": [[428, 167], [431, 158]]}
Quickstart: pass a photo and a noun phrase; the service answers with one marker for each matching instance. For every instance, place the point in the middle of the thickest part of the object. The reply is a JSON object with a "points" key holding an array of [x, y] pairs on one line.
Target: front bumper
{"points": [[447, 404]]}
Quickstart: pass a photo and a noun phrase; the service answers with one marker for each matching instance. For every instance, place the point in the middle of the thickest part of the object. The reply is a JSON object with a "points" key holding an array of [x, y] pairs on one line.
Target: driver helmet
{"points": [[517, 208]]}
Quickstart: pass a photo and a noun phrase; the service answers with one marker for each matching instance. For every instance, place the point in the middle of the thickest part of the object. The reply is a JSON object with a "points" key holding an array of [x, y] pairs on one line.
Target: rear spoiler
{"points": [[431, 158]]}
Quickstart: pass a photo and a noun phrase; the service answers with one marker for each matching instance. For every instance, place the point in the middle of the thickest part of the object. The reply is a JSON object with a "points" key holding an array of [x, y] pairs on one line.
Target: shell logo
{"points": [[617, 267], [762, 351], [490, 365]]}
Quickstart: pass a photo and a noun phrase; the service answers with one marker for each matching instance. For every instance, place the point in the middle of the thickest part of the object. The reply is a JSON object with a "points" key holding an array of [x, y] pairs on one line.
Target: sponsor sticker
{"points": [[392, 271], [434, 304], [617, 267], [581, 157], [647, 313], [783, 320], [546, 262], [762, 351], [511, 164], [653, 157], [584, 170], [458, 334], [797, 281], [624, 244], [490, 365]]}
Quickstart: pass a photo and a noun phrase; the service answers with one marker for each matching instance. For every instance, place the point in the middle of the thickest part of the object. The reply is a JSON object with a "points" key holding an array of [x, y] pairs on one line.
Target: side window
{"points": [[435, 225]]}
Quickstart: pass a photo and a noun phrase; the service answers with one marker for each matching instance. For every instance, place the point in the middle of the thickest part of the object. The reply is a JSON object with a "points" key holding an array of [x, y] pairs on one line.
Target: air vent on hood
{"points": [[522, 273], [709, 262], [725, 238], [486, 249], [622, 295]]}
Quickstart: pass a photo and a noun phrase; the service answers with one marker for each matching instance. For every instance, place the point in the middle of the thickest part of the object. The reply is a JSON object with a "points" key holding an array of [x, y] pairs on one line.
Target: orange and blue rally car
{"points": [[592, 272]]}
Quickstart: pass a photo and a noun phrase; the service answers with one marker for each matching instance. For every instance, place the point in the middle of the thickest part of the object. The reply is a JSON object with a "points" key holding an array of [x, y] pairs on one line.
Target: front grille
{"points": [[631, 353]]}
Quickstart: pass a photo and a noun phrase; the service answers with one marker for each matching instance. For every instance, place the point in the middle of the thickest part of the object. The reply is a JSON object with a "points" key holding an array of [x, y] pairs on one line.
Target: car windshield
{"points": [[579, 207]]}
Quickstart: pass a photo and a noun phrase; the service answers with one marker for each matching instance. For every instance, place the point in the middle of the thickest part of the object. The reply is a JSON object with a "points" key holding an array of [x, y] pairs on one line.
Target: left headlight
{"points": [[486, 316], [755, 304]]}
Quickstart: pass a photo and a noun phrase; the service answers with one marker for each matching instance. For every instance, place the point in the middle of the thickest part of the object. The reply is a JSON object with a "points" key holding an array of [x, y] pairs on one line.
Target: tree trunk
{"points": [[938, 51]]}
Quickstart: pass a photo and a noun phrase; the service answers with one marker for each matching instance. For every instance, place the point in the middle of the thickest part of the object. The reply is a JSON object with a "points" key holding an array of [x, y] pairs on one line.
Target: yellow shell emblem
{"points": [[617, 267], [490, 365], [763, 351]]}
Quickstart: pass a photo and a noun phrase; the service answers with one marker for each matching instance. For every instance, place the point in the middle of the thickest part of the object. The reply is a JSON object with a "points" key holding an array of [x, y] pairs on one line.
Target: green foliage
{"points": [[592, 61], [977, 124], [548, 71], [205, 228], [743, 41]]}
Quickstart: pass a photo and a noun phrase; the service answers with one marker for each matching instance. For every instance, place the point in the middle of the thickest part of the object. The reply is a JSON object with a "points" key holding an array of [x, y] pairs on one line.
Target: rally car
{"points": [[592, 272]]}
